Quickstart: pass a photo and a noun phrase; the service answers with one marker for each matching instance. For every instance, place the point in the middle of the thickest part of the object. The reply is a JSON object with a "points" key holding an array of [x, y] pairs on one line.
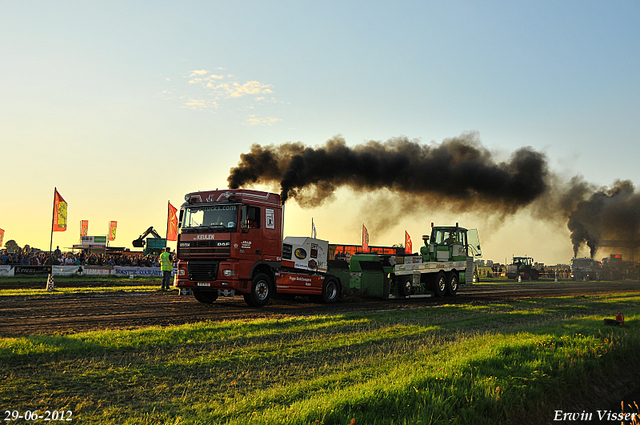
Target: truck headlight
{"points": [[228, 272]]}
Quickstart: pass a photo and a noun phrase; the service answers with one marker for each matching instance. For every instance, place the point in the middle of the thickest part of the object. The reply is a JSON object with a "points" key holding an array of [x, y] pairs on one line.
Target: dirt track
{"points": [[61, 314]]}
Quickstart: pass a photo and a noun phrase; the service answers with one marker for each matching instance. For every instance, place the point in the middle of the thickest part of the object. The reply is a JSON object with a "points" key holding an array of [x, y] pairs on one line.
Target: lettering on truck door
{"points": [[251, 235]]}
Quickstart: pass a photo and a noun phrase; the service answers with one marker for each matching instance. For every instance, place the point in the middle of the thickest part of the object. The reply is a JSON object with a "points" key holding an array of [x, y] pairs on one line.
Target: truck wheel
{"points": [[330, 290], [452, 284], [206, 297], [440, 284], [404, 286], [260, 291]]}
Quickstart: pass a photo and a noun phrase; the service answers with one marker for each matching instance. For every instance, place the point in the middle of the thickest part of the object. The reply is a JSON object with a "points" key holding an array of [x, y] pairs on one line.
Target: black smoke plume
{"points": [[457, 169], [608, 214], [458, 172]]}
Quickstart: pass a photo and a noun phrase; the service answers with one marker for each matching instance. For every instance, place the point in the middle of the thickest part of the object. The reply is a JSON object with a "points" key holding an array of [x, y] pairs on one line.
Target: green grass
{"points": [[94, 284], [62, 291], [76, 278], [506, 362]]}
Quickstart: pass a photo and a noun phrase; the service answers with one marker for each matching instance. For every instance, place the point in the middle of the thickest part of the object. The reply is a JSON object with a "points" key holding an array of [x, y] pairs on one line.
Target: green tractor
{"points": [[524, 268]]}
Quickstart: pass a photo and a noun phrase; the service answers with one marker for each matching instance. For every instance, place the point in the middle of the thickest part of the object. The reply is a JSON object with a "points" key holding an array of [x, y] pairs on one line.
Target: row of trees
{"points": [[12, 246]]}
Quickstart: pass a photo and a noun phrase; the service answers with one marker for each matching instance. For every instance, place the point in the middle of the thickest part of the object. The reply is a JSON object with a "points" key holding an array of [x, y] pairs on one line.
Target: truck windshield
{"points": [[212, 218]]}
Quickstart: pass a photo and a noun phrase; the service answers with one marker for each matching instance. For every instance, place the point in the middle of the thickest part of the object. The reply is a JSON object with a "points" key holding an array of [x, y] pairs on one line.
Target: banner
{"points": [[112, 230], [94, 240], [172, 224], [6, 270], [84, 228], [408, 246], [31, 270], [365, 239], [59, 213], [1, 237], [137, 271], [66, 270]]}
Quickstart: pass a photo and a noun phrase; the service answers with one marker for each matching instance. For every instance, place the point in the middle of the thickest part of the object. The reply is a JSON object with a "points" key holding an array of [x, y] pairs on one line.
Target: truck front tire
{"points": [[206, 297], [261, 290]]}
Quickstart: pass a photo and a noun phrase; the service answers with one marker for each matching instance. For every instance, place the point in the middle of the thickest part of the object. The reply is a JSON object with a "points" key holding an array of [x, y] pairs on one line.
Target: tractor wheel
{"points": [[404, 286], [452, 284], [206, 297], [330, 290], [440, 284], [261, 290]]}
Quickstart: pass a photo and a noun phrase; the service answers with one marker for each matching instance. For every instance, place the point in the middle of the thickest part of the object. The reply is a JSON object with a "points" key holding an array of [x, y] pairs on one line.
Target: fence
{"points": [[20, 270]]}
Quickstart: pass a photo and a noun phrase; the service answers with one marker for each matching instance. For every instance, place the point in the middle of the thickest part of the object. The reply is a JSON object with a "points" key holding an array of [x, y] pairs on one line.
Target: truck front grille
{"points": [[204, 249], [203, 270]]}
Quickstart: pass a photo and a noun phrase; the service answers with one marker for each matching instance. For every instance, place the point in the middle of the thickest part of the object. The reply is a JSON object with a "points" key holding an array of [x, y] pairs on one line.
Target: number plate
{"points": [[203, 284]]}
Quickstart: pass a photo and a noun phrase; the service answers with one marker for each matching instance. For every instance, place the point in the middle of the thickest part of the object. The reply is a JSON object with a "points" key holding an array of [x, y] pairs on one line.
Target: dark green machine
{"points": [[445, 260]]}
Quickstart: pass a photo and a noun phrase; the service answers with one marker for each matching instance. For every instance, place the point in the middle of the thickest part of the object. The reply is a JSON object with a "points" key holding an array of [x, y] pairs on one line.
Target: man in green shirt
{"points": [[167, 267]]}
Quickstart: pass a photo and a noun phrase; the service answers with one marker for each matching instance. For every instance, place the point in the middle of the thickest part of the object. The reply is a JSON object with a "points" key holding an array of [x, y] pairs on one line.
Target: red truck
{"points": [[230, 242]]}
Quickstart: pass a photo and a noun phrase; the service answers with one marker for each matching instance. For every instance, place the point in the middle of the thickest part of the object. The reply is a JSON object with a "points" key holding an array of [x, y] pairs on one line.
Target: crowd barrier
{"points": [[20, 270]]}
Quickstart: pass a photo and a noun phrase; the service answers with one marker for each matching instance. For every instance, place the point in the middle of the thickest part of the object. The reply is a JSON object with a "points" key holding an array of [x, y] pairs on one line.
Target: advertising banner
{"points": [[94, 240], [408, 246], [137, 271], [112, 230], [365, 239], [92, 270], [1, 237], [172, 224], [66, 270], [6, 270], [59, 213], [31, 270], [84, 228]]}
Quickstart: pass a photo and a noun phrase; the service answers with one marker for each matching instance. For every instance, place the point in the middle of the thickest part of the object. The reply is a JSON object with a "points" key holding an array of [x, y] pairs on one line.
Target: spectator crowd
{"points": [[58, 258]]}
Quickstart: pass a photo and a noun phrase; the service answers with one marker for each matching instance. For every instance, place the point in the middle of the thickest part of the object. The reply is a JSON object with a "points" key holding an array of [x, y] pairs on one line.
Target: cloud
{"points": [[256, 120], [201, 77], [236, 90], [203, 89], [199, 104]]}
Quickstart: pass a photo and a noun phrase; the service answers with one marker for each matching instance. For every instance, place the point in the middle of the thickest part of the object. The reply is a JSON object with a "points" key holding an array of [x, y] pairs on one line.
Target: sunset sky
{"points": [[124, 106]]}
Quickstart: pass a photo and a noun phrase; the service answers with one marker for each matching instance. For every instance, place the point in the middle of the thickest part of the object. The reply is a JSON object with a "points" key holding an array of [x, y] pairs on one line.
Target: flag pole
{"points": [[53, 216], [50, 282], [166, 235]]}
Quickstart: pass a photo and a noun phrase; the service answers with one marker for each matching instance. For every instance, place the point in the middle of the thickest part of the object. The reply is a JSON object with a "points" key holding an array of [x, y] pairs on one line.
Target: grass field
{"points": [[76, 284], [499, 363]]}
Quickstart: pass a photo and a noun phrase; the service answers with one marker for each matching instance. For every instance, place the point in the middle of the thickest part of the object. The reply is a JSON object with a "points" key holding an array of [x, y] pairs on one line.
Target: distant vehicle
{"points": [[615, 268], [154, 245], [585, 269], [522, 267]]}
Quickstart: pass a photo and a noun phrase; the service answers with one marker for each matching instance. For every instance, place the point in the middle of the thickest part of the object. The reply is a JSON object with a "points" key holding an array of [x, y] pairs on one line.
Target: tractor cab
{"points": [[450, 243]]}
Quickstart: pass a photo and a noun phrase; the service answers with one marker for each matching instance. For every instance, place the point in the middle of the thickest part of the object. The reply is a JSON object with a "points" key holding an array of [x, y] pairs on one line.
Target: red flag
{"points": [[84, 228], [408, 246], [1, 237], [365, 239], [172, 224], [112, 230], [59, 213]]}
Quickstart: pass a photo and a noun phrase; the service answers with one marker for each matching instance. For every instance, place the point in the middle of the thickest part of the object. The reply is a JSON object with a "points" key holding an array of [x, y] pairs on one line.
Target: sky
{"points": [[126, 106]]}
